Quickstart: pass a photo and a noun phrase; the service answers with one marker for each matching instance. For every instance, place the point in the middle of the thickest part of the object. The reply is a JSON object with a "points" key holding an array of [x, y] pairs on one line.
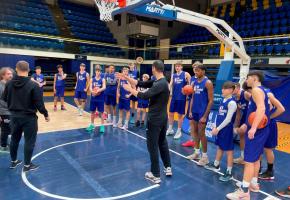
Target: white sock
{"points": [[109, 117], [254, 181], [229, 169], [126, 122], [204, 155], [242, 154], [216, 163], [197, 151], [114, 118], [178, 130], [120, 121], [245, 184], [170, 127]]}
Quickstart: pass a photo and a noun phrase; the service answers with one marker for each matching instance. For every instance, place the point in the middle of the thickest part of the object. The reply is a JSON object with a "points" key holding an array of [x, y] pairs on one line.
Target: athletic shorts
{"points": [[80, 95], [133, 98], [124, 104], [143, 103], [197, 116], [254, 148], [225, 139], [177, 106], [272, 139], [59, 92], [110, 100], [97, 105]]}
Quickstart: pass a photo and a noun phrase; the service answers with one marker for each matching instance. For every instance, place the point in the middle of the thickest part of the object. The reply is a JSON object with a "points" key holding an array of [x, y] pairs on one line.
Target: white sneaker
{"points": [[115, 125], [177, 135], [120, 125], [125, 127], [194, 156], [203, 161], [238, 194], [168, 171], [149, 176], [169, 132]]}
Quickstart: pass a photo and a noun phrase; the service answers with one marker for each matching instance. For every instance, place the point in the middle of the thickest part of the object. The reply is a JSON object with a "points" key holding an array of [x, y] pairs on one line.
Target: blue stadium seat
{"points": [[269, 49]]}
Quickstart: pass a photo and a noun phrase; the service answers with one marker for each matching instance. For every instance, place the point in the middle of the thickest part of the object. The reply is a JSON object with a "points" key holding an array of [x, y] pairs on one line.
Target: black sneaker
{"points": [[226, 177], [31, 167], [267, 175], [212, 167], [137, 123], [142, 123], [15, 163]]}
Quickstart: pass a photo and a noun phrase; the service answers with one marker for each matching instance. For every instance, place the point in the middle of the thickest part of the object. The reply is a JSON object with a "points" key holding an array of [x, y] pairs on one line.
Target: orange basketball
{"points": [[262, 124], [122, 3], [187, 90]]}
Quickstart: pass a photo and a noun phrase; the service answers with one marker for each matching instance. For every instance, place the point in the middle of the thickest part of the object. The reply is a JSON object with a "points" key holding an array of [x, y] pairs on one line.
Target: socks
{"points": [[254, 181], [109, 117], [126, 122], [245, 186], [114, 119], [242, 154], [270, 167], [170, 127], [229, 170], [197, 151], [204, 155], [216, 163], [178, 130]]}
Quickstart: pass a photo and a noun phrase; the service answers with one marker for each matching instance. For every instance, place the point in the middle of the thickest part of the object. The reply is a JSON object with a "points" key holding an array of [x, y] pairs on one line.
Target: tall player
{"points": [[201, 103], [81, 88], [38, 78], [59, 87], [255, 138], [133, 73], [178, 99], [111, 95]]}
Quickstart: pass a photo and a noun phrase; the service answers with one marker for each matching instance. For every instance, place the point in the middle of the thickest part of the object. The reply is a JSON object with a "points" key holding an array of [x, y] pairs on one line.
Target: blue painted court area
{"points": [[77, 165]]}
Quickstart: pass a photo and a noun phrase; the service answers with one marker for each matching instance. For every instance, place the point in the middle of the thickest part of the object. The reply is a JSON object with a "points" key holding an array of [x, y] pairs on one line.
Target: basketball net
{"points": [[106, 8]]}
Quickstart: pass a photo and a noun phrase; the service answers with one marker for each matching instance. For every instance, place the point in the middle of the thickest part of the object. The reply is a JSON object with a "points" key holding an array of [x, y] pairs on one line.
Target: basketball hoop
{"points": [[106, 8]]}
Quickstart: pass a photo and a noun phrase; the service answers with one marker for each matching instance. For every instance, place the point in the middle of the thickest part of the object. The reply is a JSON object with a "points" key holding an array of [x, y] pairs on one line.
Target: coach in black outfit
{"points": [[23, 98], [158, 94]]}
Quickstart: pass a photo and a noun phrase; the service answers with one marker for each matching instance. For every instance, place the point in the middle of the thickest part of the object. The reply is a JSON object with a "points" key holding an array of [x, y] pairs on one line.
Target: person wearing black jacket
{"points": [[158, 94], [23, 98]]}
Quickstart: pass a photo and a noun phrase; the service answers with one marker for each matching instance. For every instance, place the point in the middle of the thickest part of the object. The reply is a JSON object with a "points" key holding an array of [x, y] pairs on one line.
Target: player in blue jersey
{"points": [[143, 104], [200, 105], [110, 95], [242, 97], [224, 131], [59, 87], [97, 88], [38, 78], [276, 109], [255, 138], [178, 99], [133, 73], [124, 100], [81, 88]]}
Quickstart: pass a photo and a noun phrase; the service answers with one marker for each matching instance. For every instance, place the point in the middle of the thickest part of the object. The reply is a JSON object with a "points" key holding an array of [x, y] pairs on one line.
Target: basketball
{"points": [[95, 90], [262, 124], [187, 90]]}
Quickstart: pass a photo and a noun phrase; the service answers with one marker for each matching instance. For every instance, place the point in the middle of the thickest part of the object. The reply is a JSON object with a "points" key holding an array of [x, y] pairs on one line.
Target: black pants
{"points": [[156, 140], [5, 129], [28, 125]]}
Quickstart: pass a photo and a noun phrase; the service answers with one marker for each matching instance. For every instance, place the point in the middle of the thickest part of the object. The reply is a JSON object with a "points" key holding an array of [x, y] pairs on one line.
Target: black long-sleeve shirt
{"points": [[158, 95], [23, 97]]}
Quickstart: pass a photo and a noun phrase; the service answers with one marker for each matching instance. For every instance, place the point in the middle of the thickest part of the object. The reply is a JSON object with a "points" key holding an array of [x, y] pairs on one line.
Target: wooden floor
{"points": [[283, 137], [63, 120]]}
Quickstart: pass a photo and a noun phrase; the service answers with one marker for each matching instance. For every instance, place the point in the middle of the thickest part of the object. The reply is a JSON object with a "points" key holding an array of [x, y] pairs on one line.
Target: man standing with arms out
{"points": [[59, 87], [178, 100], [133, 73], [158, 94], [82, 86], [24, 99], [201, 103], [255, 138], [6, 75]]}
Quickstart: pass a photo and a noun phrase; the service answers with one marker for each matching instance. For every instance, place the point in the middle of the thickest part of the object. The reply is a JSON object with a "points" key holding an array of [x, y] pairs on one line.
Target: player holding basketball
{"points": [[81, 88], [38, 78], [133, 73], [224, 131], [110, 95], [124, 100], [59, 87], [201, 103], [255, 138], [178, 100], [242, 98], [97, 88]]}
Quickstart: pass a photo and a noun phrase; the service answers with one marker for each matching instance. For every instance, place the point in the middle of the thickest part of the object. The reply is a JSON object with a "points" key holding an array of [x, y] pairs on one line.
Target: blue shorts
{"points": [[197, 116], [59, 92], [272, 140], [254, 148], [110, 100], [143, 103], [80, 95], [225, 138], [133, 98], [97, 105], [124, 104], [177, 106]]}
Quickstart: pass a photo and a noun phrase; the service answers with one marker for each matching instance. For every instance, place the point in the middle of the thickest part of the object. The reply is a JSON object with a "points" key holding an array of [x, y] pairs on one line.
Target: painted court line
{"points": [[31, 186], [269, 196]]}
